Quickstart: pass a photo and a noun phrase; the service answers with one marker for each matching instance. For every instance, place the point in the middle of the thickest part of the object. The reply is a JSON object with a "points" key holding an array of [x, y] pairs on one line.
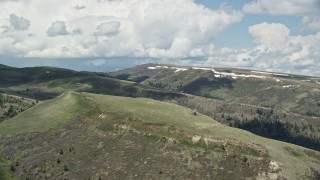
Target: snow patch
{"points": [[200, 68], [280, 74], [235, 76], [219, 74], [178, 69], [276, 74], [159, 67], [289, 86]]}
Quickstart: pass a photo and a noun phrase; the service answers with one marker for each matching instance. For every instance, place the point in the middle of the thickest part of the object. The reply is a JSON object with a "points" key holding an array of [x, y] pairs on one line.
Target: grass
{"points": [[71, 105], [46, 115], [151, 111]]}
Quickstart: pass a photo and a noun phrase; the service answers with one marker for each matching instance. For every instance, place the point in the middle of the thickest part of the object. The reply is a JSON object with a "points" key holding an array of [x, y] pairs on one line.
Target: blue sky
{"points": [[237, 35], [103, 35]]}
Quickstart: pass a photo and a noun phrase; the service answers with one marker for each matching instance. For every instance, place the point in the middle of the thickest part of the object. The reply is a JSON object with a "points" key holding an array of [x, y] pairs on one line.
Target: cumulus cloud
{"points": [[19, 23], [308, 10], [275, 50], [273, 35], [139, 28], [107, 29], [57, 28]]}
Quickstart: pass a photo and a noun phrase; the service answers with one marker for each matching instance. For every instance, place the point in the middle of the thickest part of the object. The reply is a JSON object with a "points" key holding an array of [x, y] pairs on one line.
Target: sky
{"points": [[107, 35]]}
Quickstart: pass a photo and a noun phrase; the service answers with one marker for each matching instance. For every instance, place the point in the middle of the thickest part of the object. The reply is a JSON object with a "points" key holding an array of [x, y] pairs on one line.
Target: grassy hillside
{"points": [[46, 115], [98, 136], [279, 106]]}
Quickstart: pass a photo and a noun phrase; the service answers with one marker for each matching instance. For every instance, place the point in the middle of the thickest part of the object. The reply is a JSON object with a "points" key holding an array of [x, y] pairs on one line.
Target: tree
{"points": [[10, 112]]}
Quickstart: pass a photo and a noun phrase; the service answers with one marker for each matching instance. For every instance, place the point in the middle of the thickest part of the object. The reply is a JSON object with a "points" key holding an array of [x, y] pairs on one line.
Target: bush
{"points": [[65, 168], [244, 159], [12, 168]]}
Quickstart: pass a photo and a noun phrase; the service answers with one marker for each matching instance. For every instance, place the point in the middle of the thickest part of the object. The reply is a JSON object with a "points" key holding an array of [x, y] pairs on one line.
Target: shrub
{"points": [[244, 159], [65, 168], [12, 168]]}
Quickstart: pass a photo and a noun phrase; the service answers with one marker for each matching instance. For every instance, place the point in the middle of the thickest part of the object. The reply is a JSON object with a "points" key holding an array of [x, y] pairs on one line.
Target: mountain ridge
{"points": [[289, 102]]}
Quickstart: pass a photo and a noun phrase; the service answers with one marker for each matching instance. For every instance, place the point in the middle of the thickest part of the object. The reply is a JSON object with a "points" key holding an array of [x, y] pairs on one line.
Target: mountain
{"points": [[66, 124], [83, 135], [42, 83], [274, 105]]}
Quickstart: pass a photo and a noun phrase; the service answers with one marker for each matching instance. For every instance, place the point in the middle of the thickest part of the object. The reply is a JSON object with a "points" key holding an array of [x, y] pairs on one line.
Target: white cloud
{"points": [[107, 29], [275, 50], [19, 23], [57, 28], [283, 7], [274, 35], [134, 28], [311, 22], [308, 10]]}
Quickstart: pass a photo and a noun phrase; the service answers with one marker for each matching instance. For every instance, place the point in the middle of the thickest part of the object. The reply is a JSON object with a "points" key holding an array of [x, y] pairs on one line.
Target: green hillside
{"points": [[280, 106], [98, 136], [46, 115]]}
